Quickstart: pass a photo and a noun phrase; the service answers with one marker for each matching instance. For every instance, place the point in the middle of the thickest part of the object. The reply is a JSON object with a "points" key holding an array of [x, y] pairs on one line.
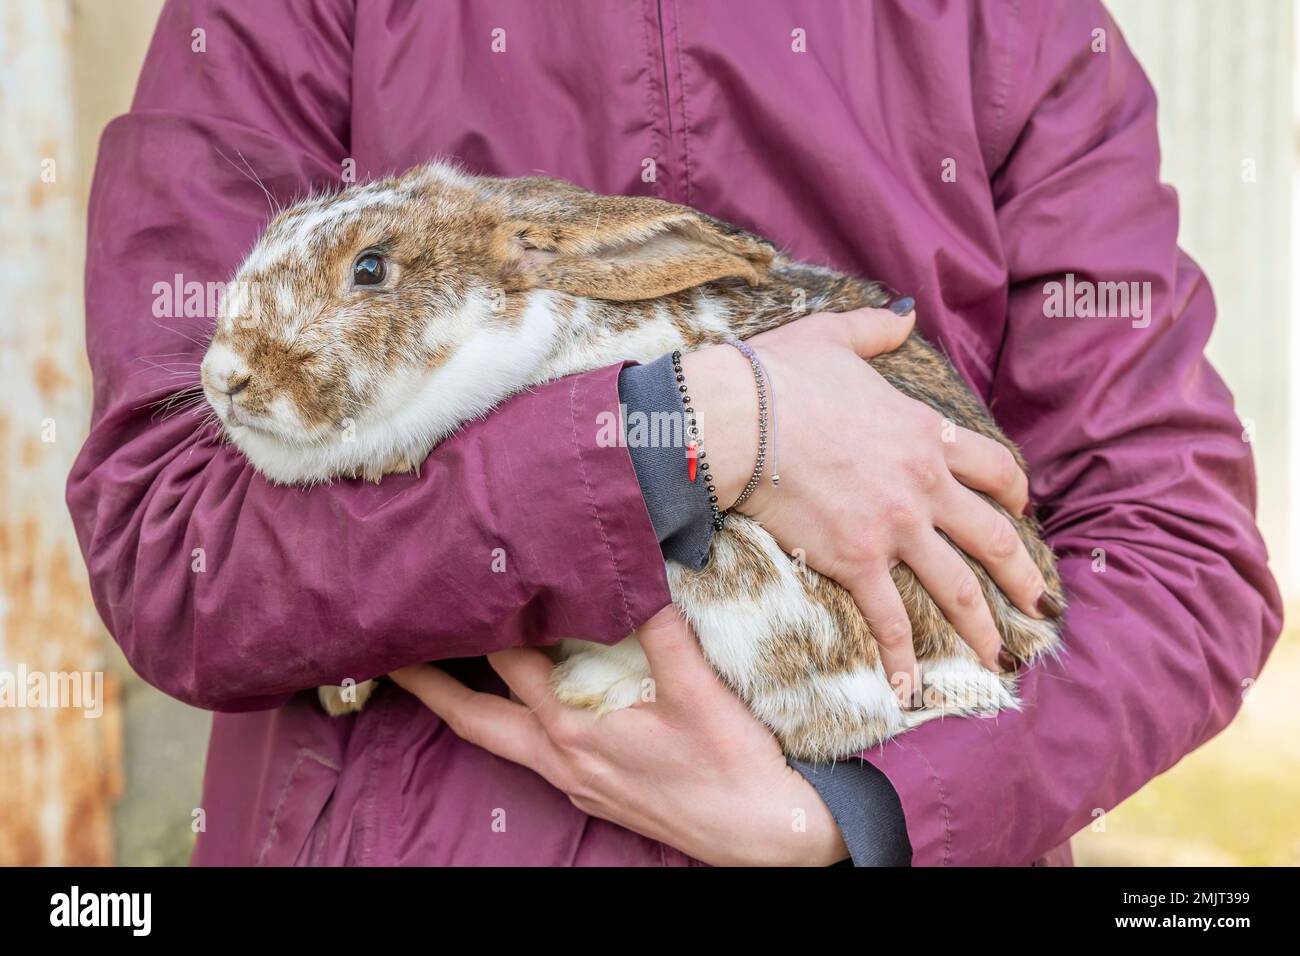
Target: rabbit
{"points": [[366, 326]]}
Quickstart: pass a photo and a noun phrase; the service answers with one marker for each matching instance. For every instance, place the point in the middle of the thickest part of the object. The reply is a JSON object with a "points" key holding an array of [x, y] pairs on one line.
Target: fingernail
{"points": [[902, 306], [905, 689], [1049, 605], [1008, 663]]}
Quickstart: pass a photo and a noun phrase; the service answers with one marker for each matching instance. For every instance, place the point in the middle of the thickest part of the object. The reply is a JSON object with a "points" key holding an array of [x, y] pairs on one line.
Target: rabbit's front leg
{"points": [[600, 678], [338, 701]]}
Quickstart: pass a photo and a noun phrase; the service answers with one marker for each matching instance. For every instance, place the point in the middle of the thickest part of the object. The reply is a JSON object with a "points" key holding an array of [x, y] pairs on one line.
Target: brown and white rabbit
{"points": [[365, 327]]}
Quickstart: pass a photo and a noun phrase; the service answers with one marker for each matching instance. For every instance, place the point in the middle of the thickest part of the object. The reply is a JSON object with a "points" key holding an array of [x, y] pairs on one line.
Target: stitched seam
{"points": [[1003, 94], [279, 805], [378, 754], [321, 759], [681, 85], [943, 804], [656, 144], [595, 511]]}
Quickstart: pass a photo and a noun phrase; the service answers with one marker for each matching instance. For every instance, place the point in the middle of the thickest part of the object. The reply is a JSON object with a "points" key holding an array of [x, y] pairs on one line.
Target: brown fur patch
{"points": [[617, 264]]}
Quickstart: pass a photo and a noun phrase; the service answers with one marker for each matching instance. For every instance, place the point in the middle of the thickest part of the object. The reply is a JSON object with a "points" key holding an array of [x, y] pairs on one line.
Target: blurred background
{"points": [[121, 788]]}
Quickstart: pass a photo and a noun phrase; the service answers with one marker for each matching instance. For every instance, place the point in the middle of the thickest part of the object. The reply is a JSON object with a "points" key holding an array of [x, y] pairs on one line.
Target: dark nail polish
{"points": [[1049, 605], [1008, 663], [906, 688], [902, 306]]}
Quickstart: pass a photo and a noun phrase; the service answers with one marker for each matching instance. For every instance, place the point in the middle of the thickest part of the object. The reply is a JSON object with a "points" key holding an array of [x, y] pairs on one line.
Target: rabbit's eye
{"points": [[369, 269]]}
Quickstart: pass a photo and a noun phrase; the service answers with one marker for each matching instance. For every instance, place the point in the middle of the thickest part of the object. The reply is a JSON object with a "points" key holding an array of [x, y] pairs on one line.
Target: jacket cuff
{"points": [[920, 791], [866, 808], [634, 573], [678, 507]]}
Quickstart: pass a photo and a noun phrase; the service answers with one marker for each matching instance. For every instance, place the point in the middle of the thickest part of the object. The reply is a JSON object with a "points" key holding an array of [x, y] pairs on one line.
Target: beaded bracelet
{"points": [[762, 382], [695, 454]]}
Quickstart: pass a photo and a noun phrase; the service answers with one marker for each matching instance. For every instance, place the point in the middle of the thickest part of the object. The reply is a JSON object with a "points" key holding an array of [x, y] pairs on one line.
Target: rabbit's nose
{"points": [[236, 384]]}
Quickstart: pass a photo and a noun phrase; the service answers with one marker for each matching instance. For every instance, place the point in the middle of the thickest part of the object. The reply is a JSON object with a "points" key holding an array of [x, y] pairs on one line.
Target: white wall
{"points": [[1224, 73], [59, 771]]}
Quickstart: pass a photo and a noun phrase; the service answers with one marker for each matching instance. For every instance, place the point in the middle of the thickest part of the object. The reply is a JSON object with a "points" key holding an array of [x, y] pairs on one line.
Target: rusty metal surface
{"points": [[59, 768]]}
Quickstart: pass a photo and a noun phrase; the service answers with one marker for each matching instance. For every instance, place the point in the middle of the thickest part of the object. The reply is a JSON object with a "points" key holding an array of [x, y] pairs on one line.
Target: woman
{"points": [[969, 153]]}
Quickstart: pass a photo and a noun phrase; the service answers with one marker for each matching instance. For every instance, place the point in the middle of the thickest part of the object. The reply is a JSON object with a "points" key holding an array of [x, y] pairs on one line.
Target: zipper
{"points": [[674, 178]]}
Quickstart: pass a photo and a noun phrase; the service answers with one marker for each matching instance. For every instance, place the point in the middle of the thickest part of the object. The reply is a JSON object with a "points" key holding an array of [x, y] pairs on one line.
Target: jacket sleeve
{"points": [[231, 593], [1139, 466]]}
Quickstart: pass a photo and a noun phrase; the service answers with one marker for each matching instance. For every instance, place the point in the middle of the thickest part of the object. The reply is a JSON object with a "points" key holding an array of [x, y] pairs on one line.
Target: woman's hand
{"points": [[692, 769], [867, 478]]}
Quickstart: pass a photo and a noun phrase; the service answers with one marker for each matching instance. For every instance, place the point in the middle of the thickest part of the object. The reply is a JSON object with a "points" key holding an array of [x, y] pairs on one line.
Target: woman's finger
{"points": [[988, 466], [952, 584], [878, 600], [990, 538], [676, 660], [527, 672], [494, 723], [872, 332]]}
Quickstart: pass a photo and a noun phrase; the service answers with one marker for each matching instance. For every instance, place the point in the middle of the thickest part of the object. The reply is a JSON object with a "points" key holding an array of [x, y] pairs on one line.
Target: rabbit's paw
{"points": [[338, 701], [603, 678], [962, 687], [401, 464], [1026, 638]]}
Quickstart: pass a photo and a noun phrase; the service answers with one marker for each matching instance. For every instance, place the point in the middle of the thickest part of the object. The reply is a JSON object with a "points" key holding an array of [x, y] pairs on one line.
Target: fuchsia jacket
{"points": [[966, 153]]}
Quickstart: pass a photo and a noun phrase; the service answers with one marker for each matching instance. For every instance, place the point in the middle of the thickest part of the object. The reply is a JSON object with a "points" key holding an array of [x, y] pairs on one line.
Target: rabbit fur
{"points": [[494, 285]]}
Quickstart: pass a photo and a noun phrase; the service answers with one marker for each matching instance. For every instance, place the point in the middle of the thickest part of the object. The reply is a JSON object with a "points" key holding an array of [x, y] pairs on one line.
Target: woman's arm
{"points": [[228, 592], [692, 768], [1138, 464]]}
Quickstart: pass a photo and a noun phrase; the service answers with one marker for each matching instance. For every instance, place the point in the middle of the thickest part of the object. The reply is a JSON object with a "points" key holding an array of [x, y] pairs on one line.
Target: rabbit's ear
{"points": [[621, 247]]}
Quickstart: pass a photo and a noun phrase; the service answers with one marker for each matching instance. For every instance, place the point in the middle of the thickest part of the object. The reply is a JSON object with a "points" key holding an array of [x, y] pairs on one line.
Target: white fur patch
{"points": [[418, 408], [604, 678], [221, 364]]}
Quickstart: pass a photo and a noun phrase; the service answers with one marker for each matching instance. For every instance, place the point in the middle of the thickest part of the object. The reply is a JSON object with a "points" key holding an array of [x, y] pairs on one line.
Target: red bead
{"points": [[692, 459]]}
